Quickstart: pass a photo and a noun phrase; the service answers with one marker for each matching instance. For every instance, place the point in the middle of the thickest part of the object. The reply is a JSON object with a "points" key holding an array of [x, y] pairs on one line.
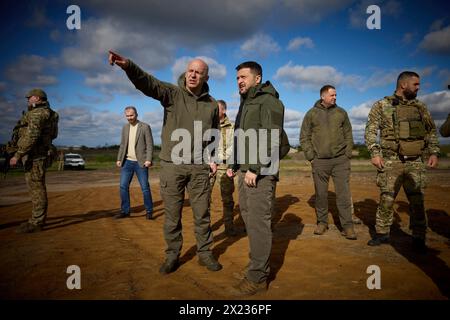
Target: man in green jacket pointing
{"points": [[185, 106]]}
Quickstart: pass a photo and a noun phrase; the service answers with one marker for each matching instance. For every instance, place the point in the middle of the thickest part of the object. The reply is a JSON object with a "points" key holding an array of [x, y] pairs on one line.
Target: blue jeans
{"points": [[126, 175]]}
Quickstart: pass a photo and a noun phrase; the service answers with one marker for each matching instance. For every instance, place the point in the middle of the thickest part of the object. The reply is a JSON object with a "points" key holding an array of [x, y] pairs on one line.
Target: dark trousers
{"points": [[339, 169], [256, 204], [174, 179]]}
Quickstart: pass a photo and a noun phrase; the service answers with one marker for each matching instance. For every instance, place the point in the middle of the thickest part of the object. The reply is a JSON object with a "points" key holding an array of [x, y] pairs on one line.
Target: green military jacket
{"points": [[260, 109], [445, 128], [36, 130], [382, 119], [181, 108], [326, 133]]}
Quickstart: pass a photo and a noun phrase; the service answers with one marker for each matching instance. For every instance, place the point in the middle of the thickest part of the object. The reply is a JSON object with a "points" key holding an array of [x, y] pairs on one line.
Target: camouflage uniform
{"points": [[32, 138], [226, 183], [407, 136]]}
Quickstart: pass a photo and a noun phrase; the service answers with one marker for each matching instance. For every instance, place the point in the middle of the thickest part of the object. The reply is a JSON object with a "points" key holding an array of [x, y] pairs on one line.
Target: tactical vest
{"points": [[409, 130], [52, 153]]}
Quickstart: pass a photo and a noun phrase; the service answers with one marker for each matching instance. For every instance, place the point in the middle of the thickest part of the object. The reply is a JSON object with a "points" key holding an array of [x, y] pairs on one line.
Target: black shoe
{"points": [[121, 215], [379, 239], [29, 228], [209, 262], [419, 246], [168, 266], [149, 216]]}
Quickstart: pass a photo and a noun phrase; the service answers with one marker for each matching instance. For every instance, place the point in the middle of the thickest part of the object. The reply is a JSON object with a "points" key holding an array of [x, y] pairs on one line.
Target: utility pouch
{"points": [[417, 130], [403, 130], [411, 148]]}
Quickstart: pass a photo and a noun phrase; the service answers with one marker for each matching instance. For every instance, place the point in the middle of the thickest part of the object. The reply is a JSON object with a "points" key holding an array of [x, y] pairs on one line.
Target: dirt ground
{"points": [[119, 259]]}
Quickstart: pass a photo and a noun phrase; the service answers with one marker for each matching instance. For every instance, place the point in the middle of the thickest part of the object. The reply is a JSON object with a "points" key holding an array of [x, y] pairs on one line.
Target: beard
{"points": [[409, 94]]}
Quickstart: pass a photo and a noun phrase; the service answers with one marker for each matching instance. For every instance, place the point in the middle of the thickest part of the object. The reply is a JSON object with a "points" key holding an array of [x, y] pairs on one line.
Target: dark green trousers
{"points": [[339, 169], [174, 179], [256, 205]]}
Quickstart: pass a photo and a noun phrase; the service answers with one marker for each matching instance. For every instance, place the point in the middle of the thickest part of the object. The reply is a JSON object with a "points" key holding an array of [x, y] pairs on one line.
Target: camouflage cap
{"points": [[37, 92]]}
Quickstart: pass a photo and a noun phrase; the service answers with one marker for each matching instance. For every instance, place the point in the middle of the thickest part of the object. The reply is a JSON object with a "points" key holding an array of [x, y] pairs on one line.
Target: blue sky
{"points": [[301, 45]]}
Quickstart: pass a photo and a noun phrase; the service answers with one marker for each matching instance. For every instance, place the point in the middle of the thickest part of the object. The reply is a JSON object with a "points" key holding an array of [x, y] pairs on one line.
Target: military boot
{"points": [[27, 227], [169, 266], [209, 262], [246, 287], [349, 233], [241, 273], [320, 229], [378, 239]]}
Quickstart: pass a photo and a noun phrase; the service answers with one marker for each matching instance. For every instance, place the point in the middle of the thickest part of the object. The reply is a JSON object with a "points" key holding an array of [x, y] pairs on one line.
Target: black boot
{"points": [[378, 239]]}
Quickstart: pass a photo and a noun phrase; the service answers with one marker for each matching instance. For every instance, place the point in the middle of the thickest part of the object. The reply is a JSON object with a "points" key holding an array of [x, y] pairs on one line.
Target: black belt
{"points": [[407, 158]]}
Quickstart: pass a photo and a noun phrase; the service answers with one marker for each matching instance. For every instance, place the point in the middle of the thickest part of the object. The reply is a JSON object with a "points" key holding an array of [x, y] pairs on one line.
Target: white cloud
{"points": [[438, 103], [313, 77], [437, 42], [83, 126], [114, 82], [380, 78], [217, 71], [292, 122], [95, 99], [155, 120], [152, 50], [260, 45], [80, 125], [298, 42], [191, 23], [358, 118], [32, 70], [361, 112], [292, 118]]}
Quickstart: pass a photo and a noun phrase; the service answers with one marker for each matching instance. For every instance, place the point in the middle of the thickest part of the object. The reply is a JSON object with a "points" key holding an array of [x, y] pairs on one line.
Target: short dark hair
{"points": [[131, 108], [325, 88], [255, 67], [406, 75], [222, 103]]}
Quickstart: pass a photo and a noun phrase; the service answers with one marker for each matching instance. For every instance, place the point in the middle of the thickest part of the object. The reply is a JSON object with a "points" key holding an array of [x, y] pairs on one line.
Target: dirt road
{"points": [[119, 259]]}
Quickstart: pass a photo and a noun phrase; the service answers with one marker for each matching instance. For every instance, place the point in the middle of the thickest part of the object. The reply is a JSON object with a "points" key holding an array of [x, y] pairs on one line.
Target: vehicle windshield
{"points": [[73, 156]]}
